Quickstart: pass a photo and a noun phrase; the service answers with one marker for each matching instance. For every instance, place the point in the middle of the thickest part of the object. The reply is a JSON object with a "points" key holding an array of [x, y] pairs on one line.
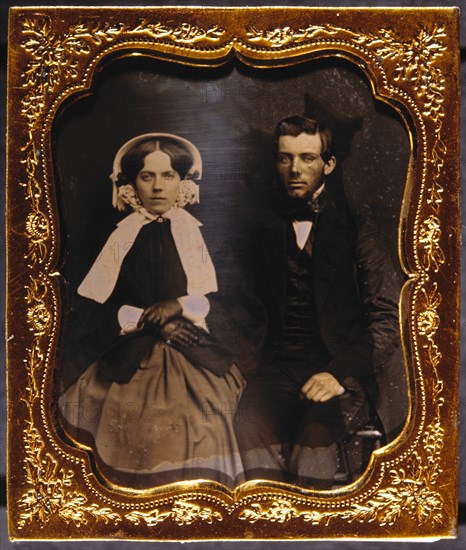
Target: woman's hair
{"points": [[132, 161], [296, 125]]}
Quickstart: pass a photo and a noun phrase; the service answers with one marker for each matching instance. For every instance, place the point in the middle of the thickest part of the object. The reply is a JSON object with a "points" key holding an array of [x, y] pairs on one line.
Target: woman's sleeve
{"points": [[237, 317], [239, 324], [90, 328]]}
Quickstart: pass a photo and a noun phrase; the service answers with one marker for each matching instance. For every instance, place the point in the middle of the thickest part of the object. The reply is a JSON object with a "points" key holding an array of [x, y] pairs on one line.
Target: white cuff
{"points": [[195, 308], [128, 318]]}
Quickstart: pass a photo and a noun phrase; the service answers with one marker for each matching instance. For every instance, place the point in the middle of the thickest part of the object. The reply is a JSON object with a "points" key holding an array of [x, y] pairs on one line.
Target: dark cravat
{"points": [[303, 212], [306, 211]]}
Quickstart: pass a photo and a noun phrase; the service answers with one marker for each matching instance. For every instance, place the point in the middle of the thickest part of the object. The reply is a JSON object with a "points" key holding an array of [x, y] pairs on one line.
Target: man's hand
{"points": [[160, 313], [321, 387], [180, 331]]}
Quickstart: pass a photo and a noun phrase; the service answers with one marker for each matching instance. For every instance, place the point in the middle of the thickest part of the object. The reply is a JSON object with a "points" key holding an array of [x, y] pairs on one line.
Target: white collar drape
{"points": [[100, 282]]}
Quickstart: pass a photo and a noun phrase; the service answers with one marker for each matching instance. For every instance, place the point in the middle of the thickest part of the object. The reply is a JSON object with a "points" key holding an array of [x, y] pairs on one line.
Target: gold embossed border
{"points": [[412, 63]]}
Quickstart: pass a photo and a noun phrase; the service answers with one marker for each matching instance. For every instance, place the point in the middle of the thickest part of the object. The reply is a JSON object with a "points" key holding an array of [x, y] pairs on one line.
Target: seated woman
{"points": [[147, 380]]}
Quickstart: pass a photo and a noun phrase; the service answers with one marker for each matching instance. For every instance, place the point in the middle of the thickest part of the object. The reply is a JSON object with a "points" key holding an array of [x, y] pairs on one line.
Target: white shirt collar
{"points": [[302, 230]]}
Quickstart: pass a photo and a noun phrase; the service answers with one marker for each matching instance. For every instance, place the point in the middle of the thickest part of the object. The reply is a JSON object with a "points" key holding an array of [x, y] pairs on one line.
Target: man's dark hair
{"points": [[296, 125]]}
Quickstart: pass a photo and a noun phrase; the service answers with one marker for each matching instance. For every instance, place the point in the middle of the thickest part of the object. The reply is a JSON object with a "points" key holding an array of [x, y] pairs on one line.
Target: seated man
{"points": [[332, 300]]}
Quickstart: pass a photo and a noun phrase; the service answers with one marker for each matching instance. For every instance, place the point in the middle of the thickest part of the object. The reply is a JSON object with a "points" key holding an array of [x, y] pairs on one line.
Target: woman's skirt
{"points": [[171, 422]]}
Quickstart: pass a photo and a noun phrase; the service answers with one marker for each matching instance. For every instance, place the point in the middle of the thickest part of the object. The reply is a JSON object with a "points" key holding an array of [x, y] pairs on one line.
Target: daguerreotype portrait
{"points": [[233, 273]]}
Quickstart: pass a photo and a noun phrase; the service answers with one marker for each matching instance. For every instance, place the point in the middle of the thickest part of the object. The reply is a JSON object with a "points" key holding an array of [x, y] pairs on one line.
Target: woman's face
{"points": [[157, 183]]}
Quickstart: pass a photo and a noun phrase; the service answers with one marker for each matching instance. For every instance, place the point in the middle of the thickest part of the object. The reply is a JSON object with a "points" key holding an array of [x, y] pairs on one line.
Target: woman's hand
{"points": [[180, 331], [159, 314]]}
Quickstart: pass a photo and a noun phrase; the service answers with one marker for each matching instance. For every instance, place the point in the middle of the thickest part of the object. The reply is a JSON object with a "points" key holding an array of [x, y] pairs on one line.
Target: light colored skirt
{"points": [[170, 417]]}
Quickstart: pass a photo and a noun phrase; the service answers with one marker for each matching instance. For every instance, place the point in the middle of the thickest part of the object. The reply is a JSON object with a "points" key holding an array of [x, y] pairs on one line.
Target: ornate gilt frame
{"points": [[411, 59]]}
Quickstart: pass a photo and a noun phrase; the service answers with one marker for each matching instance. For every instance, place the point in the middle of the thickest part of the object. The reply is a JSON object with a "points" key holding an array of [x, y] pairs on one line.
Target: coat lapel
{"points": [[332, 235]]}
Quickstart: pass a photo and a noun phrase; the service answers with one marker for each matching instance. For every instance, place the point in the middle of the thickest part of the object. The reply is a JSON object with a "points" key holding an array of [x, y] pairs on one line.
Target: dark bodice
{"points": [[151, 272], [152, 269]]}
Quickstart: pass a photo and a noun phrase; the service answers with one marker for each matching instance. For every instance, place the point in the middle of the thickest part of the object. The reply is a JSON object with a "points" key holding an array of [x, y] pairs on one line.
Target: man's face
{"points": [[300, 167]]}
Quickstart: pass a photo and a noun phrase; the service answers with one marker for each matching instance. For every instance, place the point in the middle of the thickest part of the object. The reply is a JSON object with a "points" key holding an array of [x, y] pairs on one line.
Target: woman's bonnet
{"points": [[126, 195]]}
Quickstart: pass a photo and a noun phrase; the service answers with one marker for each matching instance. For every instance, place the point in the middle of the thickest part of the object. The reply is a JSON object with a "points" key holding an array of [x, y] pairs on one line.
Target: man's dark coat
{"points": [[356, 291]]}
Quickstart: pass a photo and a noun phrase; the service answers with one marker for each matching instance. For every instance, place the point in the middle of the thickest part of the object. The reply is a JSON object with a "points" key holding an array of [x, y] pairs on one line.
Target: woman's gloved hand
{"points": [[180, 332], [158, 314]]}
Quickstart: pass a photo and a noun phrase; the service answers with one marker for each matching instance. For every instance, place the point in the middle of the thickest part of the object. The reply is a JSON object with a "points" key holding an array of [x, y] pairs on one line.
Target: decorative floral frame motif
{"points": [[411, 58]]}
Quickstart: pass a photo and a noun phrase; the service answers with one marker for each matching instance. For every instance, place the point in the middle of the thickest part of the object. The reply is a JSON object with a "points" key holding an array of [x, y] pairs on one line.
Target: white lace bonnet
{"points": [[195, 172]]}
